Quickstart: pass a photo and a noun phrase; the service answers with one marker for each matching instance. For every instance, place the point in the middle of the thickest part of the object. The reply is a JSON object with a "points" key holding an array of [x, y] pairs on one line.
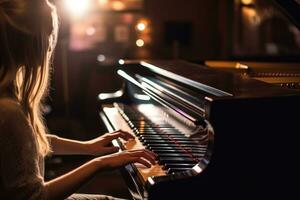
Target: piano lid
{"points": [[291, 8], [215, 83]]}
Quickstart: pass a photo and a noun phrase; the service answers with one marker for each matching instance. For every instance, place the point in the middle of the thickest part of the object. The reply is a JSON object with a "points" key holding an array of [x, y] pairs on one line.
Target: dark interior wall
{"points": [[204, 16], [85, 79]]}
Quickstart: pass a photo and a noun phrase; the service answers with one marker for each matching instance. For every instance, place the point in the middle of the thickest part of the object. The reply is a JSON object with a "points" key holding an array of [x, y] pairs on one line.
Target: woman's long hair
{"points": [[28, 33]]}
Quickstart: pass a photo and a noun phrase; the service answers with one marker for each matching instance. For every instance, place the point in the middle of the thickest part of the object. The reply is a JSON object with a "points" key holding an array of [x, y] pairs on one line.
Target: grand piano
{"points": [[218, 134]]}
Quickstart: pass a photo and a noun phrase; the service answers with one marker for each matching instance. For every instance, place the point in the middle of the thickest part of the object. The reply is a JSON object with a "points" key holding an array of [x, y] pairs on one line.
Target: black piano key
{"points": [[159, 134], [143, 131], [150, 137], [162, 136], [170, 133], [146, 129], [164, 160], [157, 151], [147, 132], [156, 134], [180, 154], [171, 130], [175, 170], [162, 139], [183, 138], [165, 141], [183, 155], [174, 149], [198, 155], [167, 137], [185, 146], [139, 125], [178, 165], [162, 126], [140, 119]]}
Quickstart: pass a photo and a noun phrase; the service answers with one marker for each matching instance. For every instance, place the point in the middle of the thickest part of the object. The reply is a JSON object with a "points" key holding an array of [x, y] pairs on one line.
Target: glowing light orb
{"points": [[141, 26], [103, 2], [77, 7], [118, 5], [101, 58], [121, 62], [140, 43], [90, 31], [246, 2]]}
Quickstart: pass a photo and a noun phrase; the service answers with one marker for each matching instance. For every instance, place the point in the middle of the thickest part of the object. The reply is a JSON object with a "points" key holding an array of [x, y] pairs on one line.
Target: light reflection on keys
{"points": [[176, 152]]}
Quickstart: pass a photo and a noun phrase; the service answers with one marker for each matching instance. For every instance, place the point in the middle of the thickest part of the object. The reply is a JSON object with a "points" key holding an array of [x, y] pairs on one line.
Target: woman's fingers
{"points": [[120, 134], [133, 158], [141, 151], [148, 155], [143, 162], [144, 157]]}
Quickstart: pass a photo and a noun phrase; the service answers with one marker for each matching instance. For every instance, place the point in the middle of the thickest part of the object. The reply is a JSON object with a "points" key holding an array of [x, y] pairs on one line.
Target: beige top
{"points": [[21, 167]]}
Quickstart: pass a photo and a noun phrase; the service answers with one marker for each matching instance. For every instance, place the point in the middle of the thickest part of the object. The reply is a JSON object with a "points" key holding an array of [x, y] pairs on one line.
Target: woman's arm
{"points": [[67, 184], [63, 146], [98, 146]]}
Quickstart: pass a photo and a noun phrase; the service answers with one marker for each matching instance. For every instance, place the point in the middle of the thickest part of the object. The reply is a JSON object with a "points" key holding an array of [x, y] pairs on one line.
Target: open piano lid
{"points": [[291, 8]]}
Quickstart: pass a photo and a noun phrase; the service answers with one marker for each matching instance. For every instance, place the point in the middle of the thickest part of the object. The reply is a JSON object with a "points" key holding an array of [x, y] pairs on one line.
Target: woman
{"points": [[28, 31]]}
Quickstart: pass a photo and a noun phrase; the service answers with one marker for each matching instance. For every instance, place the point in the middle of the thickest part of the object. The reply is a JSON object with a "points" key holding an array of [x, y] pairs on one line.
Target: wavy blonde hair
{"points": [[28, 35]]}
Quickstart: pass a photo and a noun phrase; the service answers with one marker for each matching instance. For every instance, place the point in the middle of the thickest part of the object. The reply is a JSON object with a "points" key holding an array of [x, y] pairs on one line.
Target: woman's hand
{"points": [[144, 157], [102, 145]]}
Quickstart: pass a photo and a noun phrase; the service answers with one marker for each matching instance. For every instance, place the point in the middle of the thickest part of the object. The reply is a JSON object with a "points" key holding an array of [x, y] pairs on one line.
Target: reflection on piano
{"points": [[217, 134], [283, 74]]}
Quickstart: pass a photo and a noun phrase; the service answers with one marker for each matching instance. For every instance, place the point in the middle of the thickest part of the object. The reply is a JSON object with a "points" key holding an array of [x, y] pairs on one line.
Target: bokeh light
{"points": [[141, 26], [77, 7], [140, 43]]}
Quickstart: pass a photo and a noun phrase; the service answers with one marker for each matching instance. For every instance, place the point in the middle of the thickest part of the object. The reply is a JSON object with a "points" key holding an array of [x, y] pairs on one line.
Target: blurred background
{"points": [[97, 35]]}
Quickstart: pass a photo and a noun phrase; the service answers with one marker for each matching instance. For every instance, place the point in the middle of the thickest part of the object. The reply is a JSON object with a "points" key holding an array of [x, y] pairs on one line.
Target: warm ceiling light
{"points": [[140, 43], [103, 2], [77, 7], [247, 2], [118, 5], [141, 26], [91, 31]]}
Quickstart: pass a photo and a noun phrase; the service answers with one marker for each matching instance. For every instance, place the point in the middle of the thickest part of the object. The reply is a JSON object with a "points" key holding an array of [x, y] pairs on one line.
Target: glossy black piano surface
{"points": [[217, 134], [283, 74]]}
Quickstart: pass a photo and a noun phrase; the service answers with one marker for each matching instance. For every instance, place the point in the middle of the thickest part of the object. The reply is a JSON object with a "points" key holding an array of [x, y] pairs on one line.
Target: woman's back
{"points": [[21, 176]]}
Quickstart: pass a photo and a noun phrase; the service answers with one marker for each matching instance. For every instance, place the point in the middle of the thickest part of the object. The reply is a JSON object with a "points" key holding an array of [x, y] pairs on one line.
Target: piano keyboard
{"points": [[176, 152]]}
